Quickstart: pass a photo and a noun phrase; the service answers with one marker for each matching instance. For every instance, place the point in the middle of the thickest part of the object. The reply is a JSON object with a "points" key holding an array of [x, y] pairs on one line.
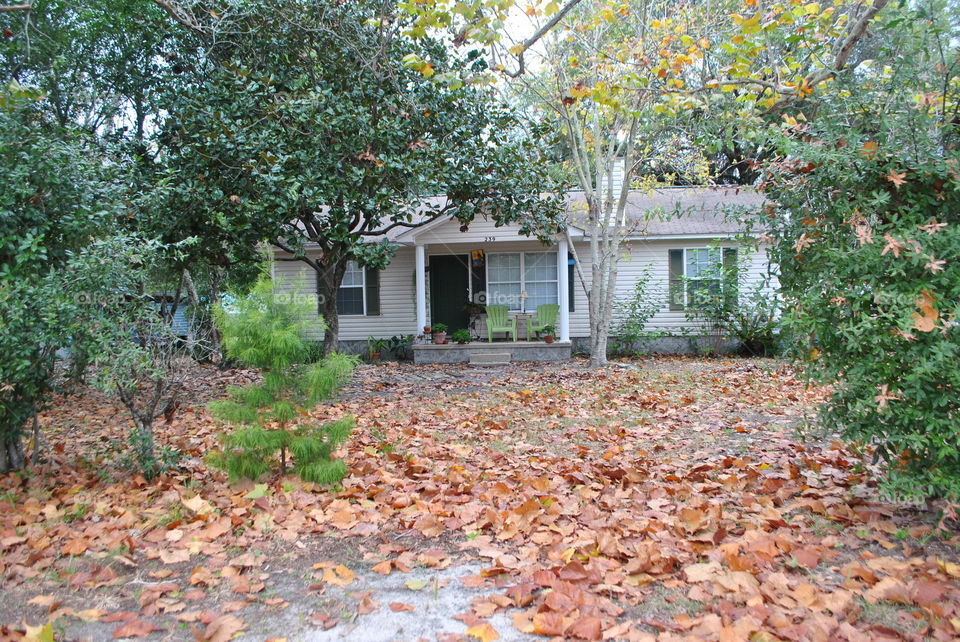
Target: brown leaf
{"points": [[136, 628], [223, 628], [397, 607], [587, 628], [702, 572]]}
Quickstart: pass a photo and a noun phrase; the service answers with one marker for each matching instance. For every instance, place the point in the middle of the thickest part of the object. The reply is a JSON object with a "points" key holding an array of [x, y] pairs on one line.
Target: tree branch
{"points": [[540, 33], [843, 54], [15, 7], [182, 18]]}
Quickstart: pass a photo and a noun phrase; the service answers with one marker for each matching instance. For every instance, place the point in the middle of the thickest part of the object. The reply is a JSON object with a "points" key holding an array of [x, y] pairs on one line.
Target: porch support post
{"points": [[564, 290], [421, 288]]}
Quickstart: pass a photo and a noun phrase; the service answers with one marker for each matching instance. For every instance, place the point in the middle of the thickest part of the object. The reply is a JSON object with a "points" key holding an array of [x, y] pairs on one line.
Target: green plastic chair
{"points": [[499, 321], [546, 315]]}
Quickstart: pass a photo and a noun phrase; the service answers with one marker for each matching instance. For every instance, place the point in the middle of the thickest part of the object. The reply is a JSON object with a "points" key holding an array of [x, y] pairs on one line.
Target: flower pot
{"points": [[548, 338], [374, 356], [439, 338]]}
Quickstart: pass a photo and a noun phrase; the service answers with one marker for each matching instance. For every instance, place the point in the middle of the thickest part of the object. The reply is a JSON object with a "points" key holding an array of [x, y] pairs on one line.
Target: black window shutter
{"points": [[571, 282], [675, 294], [730, 276], [373, 292]]}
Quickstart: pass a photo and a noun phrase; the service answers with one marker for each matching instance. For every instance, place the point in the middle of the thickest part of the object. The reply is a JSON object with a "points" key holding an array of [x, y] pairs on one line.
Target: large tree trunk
{"points": [[328, 283], [11, 453]]}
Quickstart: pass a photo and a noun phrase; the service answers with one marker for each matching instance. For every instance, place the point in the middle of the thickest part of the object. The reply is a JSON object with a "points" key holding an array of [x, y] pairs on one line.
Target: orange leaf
{"points": [[483, 631], [548, 624], [588, 628], [339, 576], [397, 607], [383, 567], [926, 319], [75, 547]]}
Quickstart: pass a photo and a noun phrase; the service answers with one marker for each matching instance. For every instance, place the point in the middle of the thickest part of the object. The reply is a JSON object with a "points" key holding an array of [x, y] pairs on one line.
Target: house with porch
{"points": [[443, 274]]}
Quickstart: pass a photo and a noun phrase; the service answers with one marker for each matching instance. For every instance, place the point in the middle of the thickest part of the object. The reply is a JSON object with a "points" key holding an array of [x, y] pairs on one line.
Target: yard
{"points": [[668, 498]]}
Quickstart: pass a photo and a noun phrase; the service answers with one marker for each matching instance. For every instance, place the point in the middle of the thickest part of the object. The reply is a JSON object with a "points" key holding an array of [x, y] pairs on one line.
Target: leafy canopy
{"points": [[866, 233]]}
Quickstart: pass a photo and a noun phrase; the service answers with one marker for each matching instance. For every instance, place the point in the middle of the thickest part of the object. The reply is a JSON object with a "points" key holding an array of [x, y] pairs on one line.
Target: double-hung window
{"points": [[509, 275], [704, 274], [698, 274], [350, 296]]}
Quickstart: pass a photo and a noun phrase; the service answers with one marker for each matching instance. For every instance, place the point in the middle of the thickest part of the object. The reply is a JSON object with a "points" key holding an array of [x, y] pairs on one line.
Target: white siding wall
{"points": [[398, 313], [655, 255], [398, 300]]}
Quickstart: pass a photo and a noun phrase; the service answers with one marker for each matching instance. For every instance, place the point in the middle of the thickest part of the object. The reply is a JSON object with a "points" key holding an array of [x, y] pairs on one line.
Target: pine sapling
{"points": [[273, 418]]}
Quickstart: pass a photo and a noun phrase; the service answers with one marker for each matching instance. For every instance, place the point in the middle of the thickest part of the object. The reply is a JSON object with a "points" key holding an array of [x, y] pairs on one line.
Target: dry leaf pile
{"points": [[670, 501]]}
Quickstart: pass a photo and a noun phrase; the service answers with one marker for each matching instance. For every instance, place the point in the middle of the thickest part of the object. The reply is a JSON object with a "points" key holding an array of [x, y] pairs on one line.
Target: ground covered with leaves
{"points": [[664, 499]]}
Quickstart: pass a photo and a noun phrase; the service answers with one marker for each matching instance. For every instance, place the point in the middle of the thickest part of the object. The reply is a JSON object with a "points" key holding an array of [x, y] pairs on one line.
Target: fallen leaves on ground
{"points": [[671, 500]]}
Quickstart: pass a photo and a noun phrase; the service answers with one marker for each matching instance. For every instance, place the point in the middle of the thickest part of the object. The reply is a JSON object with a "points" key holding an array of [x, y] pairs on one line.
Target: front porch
{"points": [[496, 353], [451, 278]]}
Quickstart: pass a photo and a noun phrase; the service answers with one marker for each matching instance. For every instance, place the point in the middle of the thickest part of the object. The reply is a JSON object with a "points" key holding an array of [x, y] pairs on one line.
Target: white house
{"points": [[438, 269]]}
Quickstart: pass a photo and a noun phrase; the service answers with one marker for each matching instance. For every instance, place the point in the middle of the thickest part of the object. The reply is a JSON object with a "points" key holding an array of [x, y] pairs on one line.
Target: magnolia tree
{"points": [[618, 79], [323, 126]]}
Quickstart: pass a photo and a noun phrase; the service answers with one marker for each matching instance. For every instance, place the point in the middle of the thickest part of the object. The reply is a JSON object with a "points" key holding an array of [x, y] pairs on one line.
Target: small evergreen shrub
{"points": [[274, 417], [634, 313]]}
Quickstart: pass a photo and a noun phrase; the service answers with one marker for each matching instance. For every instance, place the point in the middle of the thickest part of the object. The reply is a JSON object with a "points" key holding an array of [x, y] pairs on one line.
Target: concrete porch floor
{"points": [[498, 352]]}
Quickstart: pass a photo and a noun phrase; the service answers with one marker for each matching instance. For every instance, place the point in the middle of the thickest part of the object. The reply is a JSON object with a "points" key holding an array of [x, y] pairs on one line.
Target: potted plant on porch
{"points": [[439, 333], [461, 336], [549, 333]]}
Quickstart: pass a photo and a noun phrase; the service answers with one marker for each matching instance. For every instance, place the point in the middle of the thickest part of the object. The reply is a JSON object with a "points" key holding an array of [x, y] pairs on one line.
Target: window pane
{"points": [[350, 300], [540, 266], [507, 294], [503, 268], [703, 262], [539, 294], [353, 276], [701, 291]]}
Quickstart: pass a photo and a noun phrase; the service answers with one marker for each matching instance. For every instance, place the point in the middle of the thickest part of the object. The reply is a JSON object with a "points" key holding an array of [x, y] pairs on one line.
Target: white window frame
{"points": [[687, 278], [523, 281], [362, 287]]}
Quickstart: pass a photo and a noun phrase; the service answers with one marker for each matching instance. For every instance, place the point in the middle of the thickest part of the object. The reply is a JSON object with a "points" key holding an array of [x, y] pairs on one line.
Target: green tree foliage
{"points": [[320, 123], [266, 331], [55, 191], [866, 231]]}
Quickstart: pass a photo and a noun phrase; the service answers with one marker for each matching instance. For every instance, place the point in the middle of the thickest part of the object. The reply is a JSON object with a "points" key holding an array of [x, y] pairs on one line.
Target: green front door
{"points": [[449, 290]]}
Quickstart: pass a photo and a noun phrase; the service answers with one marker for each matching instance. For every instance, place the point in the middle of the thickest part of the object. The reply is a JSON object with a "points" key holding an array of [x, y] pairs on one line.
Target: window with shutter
{"points": [[350, 296], [698, 272]]}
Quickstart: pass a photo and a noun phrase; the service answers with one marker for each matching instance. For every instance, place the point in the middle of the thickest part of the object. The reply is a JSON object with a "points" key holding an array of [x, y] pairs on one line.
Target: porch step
{"points": [[486, 358]]}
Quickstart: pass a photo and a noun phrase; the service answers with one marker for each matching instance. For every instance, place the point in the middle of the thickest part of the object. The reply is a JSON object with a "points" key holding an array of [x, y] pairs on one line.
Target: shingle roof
{"points": [[695, 210]]}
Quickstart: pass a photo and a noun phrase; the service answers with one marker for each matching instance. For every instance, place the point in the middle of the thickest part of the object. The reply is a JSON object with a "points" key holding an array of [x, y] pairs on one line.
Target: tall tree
{"points": [[620, 77], [321, 125]]}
